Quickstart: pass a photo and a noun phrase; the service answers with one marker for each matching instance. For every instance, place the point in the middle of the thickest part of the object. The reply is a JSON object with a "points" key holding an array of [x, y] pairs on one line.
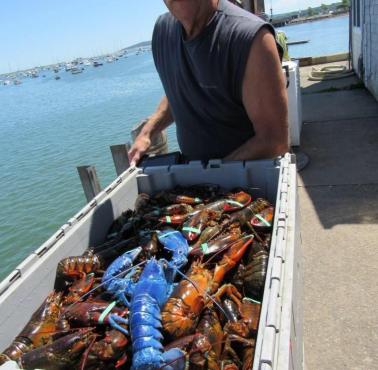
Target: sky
{"points": [[41, 32]]}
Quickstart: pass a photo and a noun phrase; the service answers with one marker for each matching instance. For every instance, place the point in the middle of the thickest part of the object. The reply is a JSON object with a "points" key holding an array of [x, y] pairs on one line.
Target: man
{"points": [[221, 72]]}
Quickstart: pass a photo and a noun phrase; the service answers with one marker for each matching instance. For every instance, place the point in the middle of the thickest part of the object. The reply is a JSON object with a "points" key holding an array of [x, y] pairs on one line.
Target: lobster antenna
{"points": [[254, 232], [229, 318], [105, 282]]}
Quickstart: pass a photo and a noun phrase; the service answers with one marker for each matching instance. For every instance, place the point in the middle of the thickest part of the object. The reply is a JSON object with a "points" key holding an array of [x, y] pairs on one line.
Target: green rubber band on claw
{"points": [[106, 312], [262, 219], [191, 230], [168, 218], [235, 203], [251, 300], [205, 247]]}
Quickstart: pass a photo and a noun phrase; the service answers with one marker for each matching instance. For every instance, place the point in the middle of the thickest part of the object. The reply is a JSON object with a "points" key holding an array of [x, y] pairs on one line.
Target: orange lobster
{"points": [[181, 313], [37, 331]]}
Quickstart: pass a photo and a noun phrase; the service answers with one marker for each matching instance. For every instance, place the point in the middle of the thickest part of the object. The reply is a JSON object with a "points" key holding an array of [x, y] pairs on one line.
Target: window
{"points": [[356, 13]]}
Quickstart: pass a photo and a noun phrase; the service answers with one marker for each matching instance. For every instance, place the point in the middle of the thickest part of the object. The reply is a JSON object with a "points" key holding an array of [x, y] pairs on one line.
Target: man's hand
{"points": [[141, 144], [265, 101], [156, 123]]}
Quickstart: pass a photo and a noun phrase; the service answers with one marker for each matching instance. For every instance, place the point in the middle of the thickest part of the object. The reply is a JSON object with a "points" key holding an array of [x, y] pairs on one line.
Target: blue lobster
{"points": [[148, 296]]}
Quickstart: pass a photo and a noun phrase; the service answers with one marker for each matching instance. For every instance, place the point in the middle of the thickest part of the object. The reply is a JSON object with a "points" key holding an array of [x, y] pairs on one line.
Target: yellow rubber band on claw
{"points": [[106, 312]]}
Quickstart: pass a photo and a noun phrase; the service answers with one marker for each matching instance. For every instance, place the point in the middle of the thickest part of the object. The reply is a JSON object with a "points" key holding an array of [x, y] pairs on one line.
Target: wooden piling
{"points": [[89, 181], [120, 157]]}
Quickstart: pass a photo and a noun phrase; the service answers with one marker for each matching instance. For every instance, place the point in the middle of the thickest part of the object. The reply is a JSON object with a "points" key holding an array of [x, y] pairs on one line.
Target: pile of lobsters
{"points": [[177, 284]]}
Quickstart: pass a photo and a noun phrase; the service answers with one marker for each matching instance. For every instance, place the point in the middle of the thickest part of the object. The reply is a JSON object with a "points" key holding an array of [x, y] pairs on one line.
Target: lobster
{"points": [[255, 270], [148, 297], [37, 331], [211, 328], [61, 354], [181, 312], [243, 331]]}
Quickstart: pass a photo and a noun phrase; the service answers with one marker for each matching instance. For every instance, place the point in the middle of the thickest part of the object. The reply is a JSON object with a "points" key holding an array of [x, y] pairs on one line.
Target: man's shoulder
{"points": [[240, 19]]}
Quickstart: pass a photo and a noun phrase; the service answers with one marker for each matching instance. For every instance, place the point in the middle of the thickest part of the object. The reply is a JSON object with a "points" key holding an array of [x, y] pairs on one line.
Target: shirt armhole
{"points": [[245, 51]]}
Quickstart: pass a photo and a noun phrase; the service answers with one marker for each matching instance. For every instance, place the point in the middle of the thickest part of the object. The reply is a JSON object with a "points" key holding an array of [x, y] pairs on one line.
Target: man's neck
{"points": [[193, 27]]}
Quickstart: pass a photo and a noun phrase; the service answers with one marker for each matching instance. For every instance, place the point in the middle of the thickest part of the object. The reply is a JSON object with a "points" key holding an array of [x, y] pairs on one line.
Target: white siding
{"points": [[356, 47], [370, 45]]}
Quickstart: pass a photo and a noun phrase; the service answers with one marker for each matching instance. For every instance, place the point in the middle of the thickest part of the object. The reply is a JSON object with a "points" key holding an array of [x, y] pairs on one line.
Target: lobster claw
{"points": [[237, 201], [174, 242], [121, 264], [230, 259]]}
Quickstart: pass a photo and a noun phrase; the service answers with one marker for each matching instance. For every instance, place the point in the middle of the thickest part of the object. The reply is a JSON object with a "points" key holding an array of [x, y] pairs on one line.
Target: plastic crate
{"points": [[279, 341]]}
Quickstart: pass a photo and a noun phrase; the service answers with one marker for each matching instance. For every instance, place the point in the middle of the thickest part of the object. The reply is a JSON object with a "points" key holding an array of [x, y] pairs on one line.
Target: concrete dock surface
{"points": [[338, 194]]}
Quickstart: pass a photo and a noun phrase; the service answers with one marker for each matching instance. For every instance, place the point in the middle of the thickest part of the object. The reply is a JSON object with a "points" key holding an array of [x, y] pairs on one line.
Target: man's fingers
{"points": [[134, 157]]}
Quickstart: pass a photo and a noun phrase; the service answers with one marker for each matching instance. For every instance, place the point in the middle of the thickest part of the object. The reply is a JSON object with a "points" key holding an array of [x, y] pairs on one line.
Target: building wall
{"points": [[370, 45]]}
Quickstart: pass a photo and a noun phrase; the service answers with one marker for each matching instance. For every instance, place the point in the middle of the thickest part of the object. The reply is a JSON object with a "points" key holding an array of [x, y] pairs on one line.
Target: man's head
{"points": [[187, 10]]}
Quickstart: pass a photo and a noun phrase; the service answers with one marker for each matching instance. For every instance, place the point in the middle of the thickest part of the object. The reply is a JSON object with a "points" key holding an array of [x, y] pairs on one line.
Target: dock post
{"points": [[89, 181], [120, 157]]}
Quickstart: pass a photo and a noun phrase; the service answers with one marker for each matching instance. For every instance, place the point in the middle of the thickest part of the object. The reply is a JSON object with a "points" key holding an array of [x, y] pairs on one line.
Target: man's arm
{"points": [[156, 123], [265, 100]]}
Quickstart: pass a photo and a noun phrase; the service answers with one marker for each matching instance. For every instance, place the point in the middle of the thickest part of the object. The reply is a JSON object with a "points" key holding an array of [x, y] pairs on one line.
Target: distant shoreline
{"points": [[315, 18], [13, 74]]}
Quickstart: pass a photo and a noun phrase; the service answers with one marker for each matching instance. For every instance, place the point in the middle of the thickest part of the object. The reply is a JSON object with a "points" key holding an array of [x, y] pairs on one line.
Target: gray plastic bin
{"points": [[279, 343]]}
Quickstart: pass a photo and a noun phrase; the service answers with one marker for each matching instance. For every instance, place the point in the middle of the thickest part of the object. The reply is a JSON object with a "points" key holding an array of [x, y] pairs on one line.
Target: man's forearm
{"points": [[258, 148], [159, 120]]}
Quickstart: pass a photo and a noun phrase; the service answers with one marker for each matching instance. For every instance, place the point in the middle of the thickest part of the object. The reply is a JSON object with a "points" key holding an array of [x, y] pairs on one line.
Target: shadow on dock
{"points": [[338, 194]]}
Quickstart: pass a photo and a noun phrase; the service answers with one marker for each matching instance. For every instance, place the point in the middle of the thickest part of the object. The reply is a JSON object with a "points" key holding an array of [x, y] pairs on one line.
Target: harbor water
{"points": [[326, 37], [48, 127]]}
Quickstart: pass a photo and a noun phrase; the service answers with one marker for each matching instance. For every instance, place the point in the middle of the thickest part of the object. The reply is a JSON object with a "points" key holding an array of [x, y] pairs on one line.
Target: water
{"points": [[328, 36], [49, 127]]}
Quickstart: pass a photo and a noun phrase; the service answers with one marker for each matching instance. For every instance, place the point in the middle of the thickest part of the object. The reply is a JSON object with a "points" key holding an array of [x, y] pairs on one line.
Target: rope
{"points": [[330, 73]]}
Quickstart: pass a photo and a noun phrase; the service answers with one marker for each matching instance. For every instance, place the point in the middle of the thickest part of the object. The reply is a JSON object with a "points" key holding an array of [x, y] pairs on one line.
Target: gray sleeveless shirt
{"points": [[202, 79]]}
